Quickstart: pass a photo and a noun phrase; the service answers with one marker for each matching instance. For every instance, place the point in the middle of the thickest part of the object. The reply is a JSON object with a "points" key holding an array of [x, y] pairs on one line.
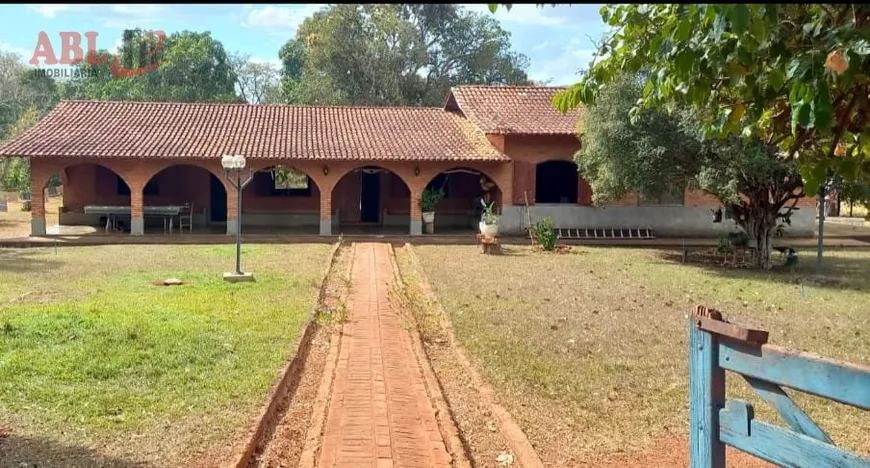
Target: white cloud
{"points": [[24, 53], [138, 9], [284, 19], [275, 62], [527, 15], [50, 10], [541, 46], [565, 63]]}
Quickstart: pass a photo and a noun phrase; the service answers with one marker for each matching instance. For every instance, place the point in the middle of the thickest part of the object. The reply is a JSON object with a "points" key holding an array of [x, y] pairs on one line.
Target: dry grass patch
{"points": [[97, 362], [588, 349], [16, 223]]}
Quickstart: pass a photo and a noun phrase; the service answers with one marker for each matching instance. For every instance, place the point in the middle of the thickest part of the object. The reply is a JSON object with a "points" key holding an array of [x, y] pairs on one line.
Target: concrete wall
{"points": [[666, 221]]}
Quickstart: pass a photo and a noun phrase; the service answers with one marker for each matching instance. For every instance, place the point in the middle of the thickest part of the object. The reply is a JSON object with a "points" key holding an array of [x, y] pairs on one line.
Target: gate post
{"points": [[706, 394]]}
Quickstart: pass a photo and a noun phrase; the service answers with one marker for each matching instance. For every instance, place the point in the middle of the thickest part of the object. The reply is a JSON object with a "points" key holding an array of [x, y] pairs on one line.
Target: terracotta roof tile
{"points": [[513, 109], [186, 130]]}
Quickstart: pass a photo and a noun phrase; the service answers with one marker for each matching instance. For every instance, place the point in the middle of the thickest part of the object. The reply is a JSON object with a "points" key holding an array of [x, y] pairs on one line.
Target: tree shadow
{"points": [[842, 273], [26, 260], [26, 452]]}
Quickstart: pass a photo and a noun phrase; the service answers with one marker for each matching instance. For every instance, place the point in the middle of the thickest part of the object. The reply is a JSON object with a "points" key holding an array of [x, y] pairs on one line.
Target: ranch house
{"points": [[351, 167]]}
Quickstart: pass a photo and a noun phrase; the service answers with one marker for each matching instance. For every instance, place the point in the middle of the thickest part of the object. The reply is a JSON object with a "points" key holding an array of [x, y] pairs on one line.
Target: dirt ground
{"points": [[16, 223], [284, 441]]}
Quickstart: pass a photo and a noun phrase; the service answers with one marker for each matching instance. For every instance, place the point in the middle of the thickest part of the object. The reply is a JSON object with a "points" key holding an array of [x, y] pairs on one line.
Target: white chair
{"points": [[185, 218]]}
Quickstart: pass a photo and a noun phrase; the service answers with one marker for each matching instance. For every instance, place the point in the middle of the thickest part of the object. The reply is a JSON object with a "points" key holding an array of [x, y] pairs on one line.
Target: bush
{"points": [[545, 234], [25, 206]]}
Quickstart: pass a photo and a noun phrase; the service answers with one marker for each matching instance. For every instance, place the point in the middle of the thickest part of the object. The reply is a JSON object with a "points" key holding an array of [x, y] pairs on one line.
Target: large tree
{"points": [[658, 152], [395, 54], [15, 172], [25, 96], [794, 75], [187, 67], [256, 82], [22, 88]]}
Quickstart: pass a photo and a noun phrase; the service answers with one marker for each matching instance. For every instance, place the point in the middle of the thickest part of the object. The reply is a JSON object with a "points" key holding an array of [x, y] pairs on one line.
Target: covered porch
{"points": [[285, 197]]}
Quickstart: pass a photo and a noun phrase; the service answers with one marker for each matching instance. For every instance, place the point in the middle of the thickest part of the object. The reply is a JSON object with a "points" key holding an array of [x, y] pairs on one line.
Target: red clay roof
{"points": [[525, 110], [186, 130]]}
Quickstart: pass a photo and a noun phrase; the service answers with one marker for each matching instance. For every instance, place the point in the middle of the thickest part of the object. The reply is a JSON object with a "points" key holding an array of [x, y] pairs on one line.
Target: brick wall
{"points": [[91, 181]]}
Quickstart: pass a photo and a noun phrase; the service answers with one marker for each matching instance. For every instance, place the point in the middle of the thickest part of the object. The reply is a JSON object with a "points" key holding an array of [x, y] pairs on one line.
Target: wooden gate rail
{"points": [[716, 346]]}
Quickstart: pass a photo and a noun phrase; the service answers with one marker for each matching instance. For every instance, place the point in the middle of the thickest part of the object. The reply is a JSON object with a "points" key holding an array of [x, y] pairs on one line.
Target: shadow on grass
{"points": [[839, 272], [26, 260], [17, 451]]}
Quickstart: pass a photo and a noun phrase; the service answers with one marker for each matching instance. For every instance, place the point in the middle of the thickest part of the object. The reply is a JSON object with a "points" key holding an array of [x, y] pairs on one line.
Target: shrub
{"points": [[430, 198], [25, 206], [545, 234]]}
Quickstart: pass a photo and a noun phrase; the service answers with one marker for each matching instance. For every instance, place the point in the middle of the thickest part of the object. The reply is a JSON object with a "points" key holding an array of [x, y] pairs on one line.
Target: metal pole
{"points": [[821, 246], [239, 222]]}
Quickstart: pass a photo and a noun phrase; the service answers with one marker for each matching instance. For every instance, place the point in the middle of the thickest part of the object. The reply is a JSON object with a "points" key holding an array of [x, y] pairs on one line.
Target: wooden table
{"points": [[167, 212]]}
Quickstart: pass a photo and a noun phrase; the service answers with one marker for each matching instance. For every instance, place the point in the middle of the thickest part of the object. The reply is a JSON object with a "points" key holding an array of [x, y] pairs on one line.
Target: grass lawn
{"points": [[588, 349], [98, 366]]}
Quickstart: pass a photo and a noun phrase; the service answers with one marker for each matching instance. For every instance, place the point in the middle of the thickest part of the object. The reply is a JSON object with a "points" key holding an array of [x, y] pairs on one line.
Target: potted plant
{"points": [[489, 220], [428, 200]]}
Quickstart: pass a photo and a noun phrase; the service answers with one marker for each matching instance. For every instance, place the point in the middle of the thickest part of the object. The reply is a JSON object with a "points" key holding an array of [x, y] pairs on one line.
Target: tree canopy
{"points": [[190, 67], [795, 76], [658, 152], [395, 54]]}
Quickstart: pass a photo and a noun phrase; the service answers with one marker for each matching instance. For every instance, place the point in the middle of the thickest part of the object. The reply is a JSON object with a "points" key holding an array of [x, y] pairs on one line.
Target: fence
{"points": [[716, 346]]}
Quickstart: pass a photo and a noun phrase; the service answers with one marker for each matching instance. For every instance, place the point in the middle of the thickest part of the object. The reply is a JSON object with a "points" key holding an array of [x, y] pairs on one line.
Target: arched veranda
{"points": [[371, 199], [72, 206], [464, 189], [199, 195], [283, 199]]}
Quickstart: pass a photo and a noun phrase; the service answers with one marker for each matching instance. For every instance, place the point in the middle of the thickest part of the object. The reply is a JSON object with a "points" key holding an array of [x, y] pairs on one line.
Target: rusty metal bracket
{"points": [[711, 320]]}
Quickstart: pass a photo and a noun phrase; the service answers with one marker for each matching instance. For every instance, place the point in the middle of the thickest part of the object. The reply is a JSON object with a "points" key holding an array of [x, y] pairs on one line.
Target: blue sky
{"points": [[559, 40]]}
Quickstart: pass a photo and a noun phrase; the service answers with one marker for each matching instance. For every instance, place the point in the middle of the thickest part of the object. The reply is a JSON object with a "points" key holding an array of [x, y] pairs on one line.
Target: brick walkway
{"points": [[379, 413]]}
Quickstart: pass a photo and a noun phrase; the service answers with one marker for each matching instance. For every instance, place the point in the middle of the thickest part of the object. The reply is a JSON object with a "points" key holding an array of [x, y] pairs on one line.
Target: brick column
{"points": [[416, 214], [137, 217], [326, 210], [37, 205], [232, 207]]}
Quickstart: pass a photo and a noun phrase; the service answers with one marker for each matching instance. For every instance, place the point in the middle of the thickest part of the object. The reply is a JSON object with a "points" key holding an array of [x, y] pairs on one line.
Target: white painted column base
{"points": [[417, 228], [37, 226], [137, 227], [232, 225], [325, 227]]}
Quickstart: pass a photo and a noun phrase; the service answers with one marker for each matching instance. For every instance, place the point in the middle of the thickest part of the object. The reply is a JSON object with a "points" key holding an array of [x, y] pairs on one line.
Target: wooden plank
{"points": [[780, 446], [790, 412], [736, 332], [839, 381], [706, 396]]}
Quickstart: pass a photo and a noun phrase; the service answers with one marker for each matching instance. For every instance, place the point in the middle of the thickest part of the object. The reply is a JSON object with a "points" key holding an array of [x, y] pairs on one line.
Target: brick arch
{"points": [[146, 175], [488, 175], [400, 172], [260, 166], [43, 173]]}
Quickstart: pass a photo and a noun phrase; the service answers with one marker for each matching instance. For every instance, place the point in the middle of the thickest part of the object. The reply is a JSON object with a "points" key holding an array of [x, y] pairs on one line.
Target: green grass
{"points": [[91, 351], [588, 349]]}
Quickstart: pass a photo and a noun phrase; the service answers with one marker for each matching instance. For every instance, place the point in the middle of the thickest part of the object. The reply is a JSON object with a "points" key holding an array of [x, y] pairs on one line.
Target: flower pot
{"points": [[429, 217], [429, 228], [488, 229]]}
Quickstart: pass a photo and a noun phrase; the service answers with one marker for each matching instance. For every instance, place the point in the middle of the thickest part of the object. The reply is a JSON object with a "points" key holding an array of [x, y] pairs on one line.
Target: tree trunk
{"points": [[851, 205], [762, 253], [759, 225]]}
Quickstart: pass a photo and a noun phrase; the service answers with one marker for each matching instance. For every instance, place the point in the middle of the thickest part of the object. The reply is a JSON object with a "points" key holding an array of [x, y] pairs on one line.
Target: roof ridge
{"points": [[509, 86], [235, 104]]}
